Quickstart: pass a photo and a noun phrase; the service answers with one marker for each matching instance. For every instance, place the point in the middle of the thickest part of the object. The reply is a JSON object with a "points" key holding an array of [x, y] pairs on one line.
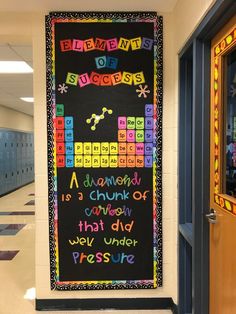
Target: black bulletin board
{"points": [[104, 98]]}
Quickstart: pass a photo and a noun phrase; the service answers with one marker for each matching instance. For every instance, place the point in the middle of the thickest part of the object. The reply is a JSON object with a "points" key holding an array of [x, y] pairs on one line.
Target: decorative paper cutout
{"points": [[62, 88], [143, 91]]}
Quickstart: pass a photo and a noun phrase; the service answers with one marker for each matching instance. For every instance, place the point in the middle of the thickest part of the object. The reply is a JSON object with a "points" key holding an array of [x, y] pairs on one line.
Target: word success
{"points": [[95, 78]]}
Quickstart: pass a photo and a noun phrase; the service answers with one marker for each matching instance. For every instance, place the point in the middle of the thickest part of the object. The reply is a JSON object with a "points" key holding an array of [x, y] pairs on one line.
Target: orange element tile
{"points": [[122, 161], [139, 161], [122, 149], [122, 135], [131, 161], [131, 149]]}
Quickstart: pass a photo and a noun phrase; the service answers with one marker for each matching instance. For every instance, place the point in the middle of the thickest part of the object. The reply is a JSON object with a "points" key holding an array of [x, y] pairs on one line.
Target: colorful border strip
{"points": [[65, 17], [219, 50]]}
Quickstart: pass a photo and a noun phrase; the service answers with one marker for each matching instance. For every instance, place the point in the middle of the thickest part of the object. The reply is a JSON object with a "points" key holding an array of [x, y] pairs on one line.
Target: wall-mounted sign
{"points": [[104, 98]]}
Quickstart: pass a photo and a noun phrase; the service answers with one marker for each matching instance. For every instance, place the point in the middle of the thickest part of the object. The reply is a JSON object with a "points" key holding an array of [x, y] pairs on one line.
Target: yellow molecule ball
{"points": [[93, 128], [88, 120], [110, 111]]}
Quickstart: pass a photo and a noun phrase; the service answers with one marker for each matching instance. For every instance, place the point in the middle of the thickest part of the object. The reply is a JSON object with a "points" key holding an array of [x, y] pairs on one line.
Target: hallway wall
{"points": [[15, 120]]}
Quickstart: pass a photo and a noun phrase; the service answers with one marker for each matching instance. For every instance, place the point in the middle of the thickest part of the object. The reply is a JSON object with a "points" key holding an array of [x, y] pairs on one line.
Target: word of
{"points": [[93, 227], [105, 79], [106, 44], [125, 180], [124, 241], [96, 118], [108, 210], [119, 225], [100, 257], [82, 241], [106, 62], [96, 195]]}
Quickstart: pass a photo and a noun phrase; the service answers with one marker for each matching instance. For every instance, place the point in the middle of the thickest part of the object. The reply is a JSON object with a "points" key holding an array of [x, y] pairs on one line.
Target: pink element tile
{"points": [[121, 123], [112, 44], [78, 45], [84, 80], [139, 149], [130, 136]]}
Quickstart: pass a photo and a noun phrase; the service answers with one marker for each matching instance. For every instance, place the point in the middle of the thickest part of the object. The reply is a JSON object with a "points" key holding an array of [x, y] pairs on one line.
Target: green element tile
{"points": [[139, 136], [139, 123], [72, 79], [130, 123], [60, 110]]}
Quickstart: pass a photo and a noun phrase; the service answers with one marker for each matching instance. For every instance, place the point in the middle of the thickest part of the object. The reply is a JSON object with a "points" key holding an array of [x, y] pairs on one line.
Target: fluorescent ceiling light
{"points": [[27, 99], [15, 67]]}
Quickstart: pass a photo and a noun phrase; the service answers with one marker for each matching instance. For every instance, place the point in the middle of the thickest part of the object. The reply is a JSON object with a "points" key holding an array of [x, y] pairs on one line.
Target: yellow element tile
{"points": [[87, 148], [124, 44], [104, 161], [138, 78], [113, 148], [87, 161], [96, 161], [113, 161], [79, 161], [105, 148], [78, 148], [96, 148]]}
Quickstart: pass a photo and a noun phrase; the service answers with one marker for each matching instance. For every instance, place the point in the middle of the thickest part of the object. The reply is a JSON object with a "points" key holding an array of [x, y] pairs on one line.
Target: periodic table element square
{"points": [[79, 161], [78, 148], [87, 161], [61, 161], [139, 123], [113, 148], [68, 122], [60, 123], [149, 110], [122, 123], [105, 148], [122, 148], [69, 135], [148, 136], [69, 161], [149, 123], [87, 148], [104, 161], [122, 161], [96, 148], [130, 123], [59, 110], [69, 148], [96, 161], [121, 135], [139, 136], [148, 148]]}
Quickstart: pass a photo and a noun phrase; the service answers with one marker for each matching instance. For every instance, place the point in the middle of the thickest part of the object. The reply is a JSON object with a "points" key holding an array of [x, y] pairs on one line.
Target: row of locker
{"points": [[16, 160]]}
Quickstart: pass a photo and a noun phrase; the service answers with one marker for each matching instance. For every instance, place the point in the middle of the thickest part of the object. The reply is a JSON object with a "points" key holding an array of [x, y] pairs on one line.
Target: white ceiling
{"points": [[14, 86]]}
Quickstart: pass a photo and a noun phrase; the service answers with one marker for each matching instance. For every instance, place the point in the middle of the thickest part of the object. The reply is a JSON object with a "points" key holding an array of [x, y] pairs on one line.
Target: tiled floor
{"points": [[17, 231]]}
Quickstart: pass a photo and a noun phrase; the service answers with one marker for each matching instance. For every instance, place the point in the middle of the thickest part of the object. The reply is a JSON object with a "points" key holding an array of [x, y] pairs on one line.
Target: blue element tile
{"points": [[147, 43], [69, 123], [148, 161], [148, 149], [148, 136], [69, 148], [69, 161], [69, 136], [148, 123], [148, 110]]}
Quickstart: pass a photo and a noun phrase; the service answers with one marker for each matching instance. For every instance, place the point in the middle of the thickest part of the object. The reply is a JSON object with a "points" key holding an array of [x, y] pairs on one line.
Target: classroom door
{"points": [[222, 215]]}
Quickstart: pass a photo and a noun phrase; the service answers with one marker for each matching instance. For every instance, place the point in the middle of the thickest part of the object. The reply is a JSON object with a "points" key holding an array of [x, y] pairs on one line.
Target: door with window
{"points": [[222, 215]]}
